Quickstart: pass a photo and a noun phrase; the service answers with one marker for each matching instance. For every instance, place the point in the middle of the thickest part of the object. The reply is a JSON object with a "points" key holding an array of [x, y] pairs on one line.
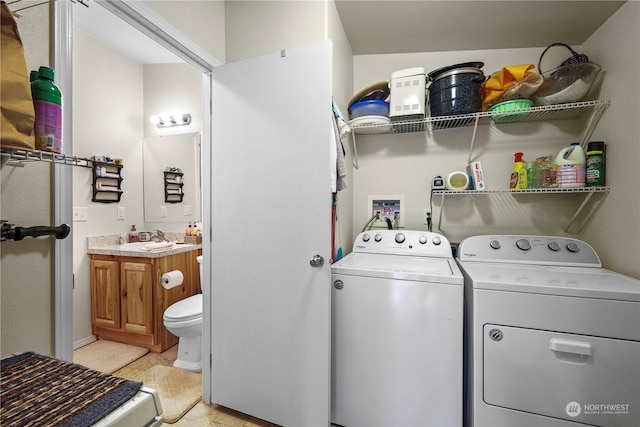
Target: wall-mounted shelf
{"points": [[19, 157], [572, 111], [507, 194], [173, 187], [107, 180]]}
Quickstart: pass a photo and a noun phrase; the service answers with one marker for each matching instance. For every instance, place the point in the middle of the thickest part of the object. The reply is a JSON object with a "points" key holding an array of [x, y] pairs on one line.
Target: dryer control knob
{"points": [[554, 246], [523, 244], [365, 237], [422, 239], [399, 238], [573, 247], [377, 237], [494, 244], [436, 241]]}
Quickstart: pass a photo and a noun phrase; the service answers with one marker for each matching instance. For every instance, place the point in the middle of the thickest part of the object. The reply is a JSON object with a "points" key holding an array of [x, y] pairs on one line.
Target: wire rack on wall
{"points": [[573, 111], [534, 114], [18, 157]]}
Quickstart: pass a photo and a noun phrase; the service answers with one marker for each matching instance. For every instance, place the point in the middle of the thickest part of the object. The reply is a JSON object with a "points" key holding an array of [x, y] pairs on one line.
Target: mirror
{"points": [[171, 197]]}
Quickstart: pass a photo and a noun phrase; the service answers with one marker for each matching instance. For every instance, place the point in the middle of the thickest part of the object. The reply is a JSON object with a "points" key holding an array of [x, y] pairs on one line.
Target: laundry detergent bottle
{"points": [[518, 174], [47, 103], [571, 167]]}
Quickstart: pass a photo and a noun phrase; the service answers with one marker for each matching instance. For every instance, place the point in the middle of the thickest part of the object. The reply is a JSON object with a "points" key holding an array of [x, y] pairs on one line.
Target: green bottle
{"points": [[47, 102], [595, 164]]}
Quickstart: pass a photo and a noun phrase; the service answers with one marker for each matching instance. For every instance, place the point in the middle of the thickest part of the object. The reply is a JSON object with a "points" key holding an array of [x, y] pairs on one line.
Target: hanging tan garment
{"points": [[16, 104]]}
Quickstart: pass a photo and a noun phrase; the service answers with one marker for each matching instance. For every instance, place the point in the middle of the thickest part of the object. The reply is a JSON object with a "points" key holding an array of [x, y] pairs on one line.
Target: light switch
{"points": [[121, 213], [163, 211], [187, 210], [80, 214]]}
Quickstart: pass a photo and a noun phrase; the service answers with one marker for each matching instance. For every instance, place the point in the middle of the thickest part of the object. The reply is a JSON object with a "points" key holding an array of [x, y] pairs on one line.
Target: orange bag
{"points": [[17, 114], [511, 82]]}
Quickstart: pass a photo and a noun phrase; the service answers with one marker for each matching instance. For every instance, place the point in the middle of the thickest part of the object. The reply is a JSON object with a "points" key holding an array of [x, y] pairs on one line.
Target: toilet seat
{"points": [[186, 309]]}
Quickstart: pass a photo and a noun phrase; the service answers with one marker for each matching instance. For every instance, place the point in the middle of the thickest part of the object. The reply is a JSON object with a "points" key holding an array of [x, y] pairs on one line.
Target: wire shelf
{"points": [[509, 194], [448, 193], [22, 156], [570, 111]]}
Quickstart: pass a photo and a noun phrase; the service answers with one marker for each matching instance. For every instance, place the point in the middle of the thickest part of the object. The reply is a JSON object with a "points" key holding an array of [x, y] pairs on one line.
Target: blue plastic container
{"points": [[372, 107]]}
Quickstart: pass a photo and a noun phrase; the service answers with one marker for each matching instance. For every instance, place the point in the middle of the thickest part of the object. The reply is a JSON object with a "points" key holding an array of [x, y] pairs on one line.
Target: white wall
{"points": [[113, 99], [169, 88], [26, 297], [202, 21], [255, 28], [615, 230], [108, 116], [27, 270], [405, 164], [342, 92]]}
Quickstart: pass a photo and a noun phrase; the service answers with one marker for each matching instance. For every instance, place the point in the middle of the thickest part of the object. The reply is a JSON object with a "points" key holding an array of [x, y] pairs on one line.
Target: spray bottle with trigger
{"points": [[518, 174]]}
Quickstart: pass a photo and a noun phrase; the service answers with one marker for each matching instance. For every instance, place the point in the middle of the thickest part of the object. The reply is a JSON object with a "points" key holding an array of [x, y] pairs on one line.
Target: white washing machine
{"points": [[552, 338], [397, 322]]}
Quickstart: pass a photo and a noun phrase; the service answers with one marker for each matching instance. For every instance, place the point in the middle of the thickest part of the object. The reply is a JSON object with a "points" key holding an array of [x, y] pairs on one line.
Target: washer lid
{"points": [[400, 267], [186, 309], [583, 282]]}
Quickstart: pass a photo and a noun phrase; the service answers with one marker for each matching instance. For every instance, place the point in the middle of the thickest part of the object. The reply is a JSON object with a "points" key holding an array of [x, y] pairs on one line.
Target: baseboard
{"points": [[84, 341]]}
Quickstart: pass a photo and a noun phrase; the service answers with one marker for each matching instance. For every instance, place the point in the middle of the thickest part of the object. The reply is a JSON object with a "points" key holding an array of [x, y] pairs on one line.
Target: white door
{"points": [[270, 215]]}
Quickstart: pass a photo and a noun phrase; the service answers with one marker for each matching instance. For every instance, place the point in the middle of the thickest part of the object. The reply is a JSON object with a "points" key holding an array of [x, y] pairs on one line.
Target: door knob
{"points": [[316, 261]]}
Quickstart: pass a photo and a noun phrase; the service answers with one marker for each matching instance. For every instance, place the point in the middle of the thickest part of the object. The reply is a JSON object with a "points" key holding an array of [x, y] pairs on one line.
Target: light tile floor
{"points": [[201, 415]]}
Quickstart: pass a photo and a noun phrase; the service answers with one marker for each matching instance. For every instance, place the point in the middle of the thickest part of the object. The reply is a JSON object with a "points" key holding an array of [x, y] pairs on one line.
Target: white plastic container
{"points": [[408, 94], [571, 163]]}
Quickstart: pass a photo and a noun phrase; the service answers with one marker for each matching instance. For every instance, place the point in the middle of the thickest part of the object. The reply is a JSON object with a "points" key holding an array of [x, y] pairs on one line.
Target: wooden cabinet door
{"points": [[136, 297], [105, 293]]}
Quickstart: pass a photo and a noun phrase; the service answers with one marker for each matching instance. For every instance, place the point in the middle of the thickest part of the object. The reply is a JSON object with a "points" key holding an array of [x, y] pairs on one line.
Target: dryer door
{"points": [[573, 377]]}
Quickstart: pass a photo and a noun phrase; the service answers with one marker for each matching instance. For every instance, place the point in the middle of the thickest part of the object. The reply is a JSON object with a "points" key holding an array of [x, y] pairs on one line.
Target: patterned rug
{"points": [[107, 356], [179, 390], [37, 390]]}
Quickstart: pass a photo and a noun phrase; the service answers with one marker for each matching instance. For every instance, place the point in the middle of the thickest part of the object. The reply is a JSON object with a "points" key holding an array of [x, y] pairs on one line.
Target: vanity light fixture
{"points": [[169, 120]]}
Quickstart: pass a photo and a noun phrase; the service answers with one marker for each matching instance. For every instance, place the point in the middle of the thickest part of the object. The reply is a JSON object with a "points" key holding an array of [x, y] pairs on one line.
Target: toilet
{"points": [[184, 320]]}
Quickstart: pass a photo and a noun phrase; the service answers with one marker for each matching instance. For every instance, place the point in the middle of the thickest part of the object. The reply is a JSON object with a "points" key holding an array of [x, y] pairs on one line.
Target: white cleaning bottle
{"points": [[571, 162]]}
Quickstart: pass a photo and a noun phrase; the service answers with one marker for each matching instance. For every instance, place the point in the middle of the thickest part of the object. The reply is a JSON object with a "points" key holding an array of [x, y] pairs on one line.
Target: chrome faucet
{"points": [[158, 236]]}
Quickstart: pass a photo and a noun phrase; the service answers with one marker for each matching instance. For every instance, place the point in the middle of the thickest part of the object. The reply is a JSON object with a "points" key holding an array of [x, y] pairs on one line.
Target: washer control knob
{"points": [[400, 238], [573, 247], [377, 237], [554, 246], [365, 237], [523, 244], [436, 240], [422, 239], [494, 244]]}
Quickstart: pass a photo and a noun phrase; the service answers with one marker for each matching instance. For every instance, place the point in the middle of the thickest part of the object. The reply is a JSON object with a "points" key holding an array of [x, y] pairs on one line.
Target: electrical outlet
{"points": [[427, 216], [187, 210], [163, 211], [121, 213], [80, 214]]}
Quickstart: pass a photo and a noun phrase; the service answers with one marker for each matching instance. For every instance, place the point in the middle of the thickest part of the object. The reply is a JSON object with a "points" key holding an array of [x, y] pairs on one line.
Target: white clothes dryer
{"points": [[397, 324], [552, 338]]}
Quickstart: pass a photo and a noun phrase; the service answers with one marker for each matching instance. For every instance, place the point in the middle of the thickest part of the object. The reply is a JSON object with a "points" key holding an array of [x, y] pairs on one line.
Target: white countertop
{"points": [[107, 245]]}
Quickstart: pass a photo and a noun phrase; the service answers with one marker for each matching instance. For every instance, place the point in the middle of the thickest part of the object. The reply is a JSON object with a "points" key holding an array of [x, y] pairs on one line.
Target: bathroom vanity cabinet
{"points": [[128, 300]]}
